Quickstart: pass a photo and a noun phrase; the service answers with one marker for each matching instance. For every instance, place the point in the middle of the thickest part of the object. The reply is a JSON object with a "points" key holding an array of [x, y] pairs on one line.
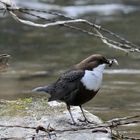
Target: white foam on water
{"points": [[122, 71], [102, 9], [76, 10]]}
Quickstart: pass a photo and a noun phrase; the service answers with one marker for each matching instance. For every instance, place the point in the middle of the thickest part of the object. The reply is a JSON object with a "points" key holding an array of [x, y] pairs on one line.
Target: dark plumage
{"points": [[79, 84]]}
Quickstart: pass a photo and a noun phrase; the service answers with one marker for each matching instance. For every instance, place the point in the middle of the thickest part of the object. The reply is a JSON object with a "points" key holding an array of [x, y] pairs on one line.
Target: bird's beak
{"points": [[113, 61]]}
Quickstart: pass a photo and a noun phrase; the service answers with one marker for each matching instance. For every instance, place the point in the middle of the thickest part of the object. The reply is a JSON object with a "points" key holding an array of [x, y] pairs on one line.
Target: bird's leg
{"points": [[83, 112], [85, 118], [68, 108]]}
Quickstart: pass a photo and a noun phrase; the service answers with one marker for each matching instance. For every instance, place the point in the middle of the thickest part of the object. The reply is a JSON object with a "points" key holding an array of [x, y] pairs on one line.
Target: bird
{"points": [[79, 84]]}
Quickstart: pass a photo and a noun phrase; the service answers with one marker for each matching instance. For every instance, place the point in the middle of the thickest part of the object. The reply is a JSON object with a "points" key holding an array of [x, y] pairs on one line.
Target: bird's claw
{"points": [[86, 121], [74, 124]]}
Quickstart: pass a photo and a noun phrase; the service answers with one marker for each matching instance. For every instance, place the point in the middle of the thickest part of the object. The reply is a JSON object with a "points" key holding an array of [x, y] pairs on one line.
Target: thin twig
{"points": [[89, 23], [114, 44], [125, 118], [124, 45], [112, 124], [95, 128], [19, 126]]}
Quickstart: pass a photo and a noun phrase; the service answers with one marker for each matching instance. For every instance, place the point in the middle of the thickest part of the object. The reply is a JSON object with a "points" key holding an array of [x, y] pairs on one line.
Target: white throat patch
{"points": [[92, 80]]}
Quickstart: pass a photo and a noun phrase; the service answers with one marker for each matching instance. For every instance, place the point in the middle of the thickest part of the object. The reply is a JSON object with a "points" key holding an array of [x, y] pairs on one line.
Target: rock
{"points": [[59, 120]]}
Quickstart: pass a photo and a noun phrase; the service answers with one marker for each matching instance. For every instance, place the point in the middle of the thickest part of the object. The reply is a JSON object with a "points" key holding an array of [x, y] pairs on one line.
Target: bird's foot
{"points": [[74, 123], [86, 121]]}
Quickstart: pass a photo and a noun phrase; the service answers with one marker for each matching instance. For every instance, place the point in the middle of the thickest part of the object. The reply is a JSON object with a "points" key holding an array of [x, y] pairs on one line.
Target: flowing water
{"points": [[40, 55]]}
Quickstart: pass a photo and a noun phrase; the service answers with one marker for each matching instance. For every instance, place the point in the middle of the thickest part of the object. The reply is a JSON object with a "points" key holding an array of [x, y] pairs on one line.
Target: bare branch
{"points": [[44, 25], [105, 41], [123, 45], [4, 58], [95, 128]]}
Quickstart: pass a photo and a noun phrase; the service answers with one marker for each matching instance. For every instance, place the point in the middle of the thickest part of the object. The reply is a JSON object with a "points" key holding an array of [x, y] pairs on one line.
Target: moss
{"points": [[17, 107], [37, 106]]}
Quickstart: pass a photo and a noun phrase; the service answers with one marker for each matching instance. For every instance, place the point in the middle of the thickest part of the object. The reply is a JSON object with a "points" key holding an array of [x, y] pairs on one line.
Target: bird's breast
{"points": [[92, 80]]}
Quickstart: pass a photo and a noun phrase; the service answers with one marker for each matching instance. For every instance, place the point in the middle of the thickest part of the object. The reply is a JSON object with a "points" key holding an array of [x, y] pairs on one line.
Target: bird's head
{"points": [[94, 61]]}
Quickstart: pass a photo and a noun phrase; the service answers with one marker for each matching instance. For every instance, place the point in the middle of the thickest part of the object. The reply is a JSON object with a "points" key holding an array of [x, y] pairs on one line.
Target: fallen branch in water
{"points": [[4, 58], [122, 44], [94, 128]]}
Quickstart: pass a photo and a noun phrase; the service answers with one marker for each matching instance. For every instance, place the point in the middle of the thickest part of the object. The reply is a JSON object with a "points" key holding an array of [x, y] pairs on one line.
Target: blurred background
{"points": [[39, 55]]}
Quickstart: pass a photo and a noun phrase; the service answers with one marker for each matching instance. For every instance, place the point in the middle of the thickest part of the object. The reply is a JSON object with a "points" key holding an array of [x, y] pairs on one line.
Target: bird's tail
{"points": [[39, 89], [47, 89]]}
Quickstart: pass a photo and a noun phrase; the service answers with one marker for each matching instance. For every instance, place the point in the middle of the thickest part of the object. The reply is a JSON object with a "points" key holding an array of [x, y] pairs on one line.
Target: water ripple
{"points": [[102, 9], [76, 10], [123, 71]]}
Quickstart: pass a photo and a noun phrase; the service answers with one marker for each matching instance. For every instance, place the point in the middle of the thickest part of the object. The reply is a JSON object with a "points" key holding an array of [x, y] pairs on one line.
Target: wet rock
{"points": [[58, 120]]}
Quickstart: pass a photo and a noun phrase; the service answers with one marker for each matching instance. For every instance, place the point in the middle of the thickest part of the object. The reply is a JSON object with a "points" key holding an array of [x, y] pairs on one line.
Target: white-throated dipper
{"points": [[79, 84]]}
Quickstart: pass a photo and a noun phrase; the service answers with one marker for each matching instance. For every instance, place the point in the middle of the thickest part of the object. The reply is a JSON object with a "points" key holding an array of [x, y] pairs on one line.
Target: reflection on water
{"points": [[39, 56], [74, 11], [105, 9]]}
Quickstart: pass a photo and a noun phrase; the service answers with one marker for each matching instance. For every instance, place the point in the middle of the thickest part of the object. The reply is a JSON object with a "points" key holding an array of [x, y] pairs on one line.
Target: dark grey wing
{"points": [[73, 75], [66, 85]]}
